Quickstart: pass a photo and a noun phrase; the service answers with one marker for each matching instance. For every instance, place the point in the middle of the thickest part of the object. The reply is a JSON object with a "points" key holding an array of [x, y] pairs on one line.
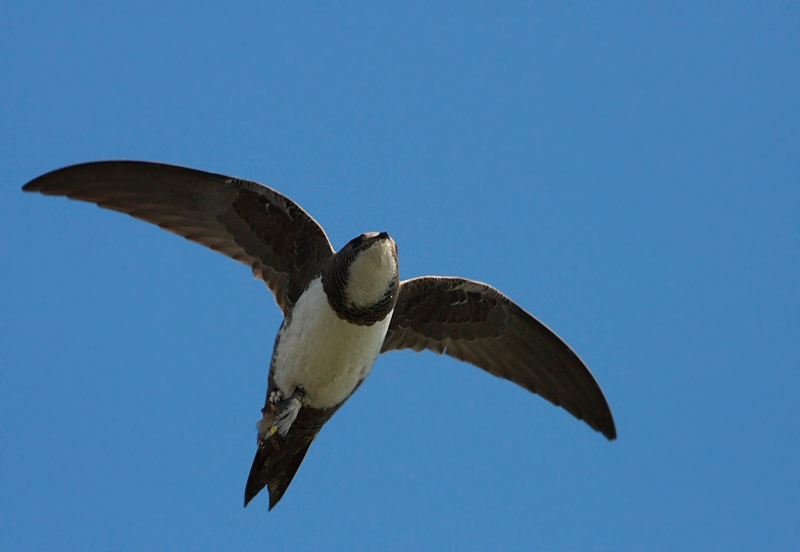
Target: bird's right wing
{"points": [[474, 322], [244, 220]]}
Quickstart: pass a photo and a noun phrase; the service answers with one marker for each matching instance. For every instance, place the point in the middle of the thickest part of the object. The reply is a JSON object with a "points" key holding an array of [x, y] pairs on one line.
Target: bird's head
{"points": [[372, 268], [364, 276]]}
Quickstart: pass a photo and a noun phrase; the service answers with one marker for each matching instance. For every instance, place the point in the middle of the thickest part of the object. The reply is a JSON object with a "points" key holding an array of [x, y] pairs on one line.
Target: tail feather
{"points": [[278, 457], [274, 467]]}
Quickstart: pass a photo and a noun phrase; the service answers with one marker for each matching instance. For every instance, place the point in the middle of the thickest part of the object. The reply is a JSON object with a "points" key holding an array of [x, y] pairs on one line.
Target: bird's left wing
{"points": [[474, 322], [244, 220]]}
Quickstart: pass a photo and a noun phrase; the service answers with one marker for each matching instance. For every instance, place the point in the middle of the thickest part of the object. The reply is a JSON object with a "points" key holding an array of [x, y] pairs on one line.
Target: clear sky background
{"points": [[629, 173]]}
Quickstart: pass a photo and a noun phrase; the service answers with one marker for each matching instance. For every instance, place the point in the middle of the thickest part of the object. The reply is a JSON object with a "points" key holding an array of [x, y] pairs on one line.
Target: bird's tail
{"points": [[277, 460], [278, 457]]}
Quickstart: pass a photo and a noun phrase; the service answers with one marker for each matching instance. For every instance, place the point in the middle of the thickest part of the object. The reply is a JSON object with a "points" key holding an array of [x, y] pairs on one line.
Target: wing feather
{"points": [[244, 220], [473, 322]]}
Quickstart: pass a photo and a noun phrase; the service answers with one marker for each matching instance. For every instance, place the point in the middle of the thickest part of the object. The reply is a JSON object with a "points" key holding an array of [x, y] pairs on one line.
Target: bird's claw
{"points": [[279, 414]]}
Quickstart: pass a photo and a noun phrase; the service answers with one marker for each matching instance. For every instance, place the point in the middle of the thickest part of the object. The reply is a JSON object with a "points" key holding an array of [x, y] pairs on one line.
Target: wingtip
{"points": [[36, 185], [30, 187], [609, 430]]}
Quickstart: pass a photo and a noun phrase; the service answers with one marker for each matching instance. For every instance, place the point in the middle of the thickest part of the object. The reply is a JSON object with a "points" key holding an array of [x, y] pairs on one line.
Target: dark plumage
{"points": [[474, 322], [290, 252]]}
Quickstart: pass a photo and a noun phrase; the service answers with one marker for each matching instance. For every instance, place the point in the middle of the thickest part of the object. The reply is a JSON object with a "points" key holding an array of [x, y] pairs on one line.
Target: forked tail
{"points": [[278, 457]]}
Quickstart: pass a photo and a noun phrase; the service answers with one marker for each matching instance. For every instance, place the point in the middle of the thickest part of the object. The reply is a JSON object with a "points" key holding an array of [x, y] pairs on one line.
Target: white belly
{"points": [[323, 354]]}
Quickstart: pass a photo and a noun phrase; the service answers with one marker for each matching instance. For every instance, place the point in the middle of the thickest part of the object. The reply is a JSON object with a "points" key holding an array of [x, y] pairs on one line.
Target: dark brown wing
{"points": [[244, 220], [474, 322]]}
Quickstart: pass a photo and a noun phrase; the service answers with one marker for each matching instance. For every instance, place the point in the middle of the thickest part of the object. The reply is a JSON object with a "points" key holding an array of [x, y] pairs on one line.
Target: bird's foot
{"points": [[279, 414], [275, 397]]}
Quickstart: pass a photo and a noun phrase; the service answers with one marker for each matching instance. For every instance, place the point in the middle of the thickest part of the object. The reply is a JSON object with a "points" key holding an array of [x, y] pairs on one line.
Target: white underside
{"points": [[323, 354]]}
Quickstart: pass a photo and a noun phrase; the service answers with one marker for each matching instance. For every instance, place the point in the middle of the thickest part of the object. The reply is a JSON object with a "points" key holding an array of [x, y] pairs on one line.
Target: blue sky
{"points": [[629, 173]]}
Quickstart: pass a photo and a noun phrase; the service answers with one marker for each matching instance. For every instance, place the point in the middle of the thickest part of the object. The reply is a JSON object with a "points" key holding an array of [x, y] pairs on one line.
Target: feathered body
{"points": [[342, 309], [325, 348]]}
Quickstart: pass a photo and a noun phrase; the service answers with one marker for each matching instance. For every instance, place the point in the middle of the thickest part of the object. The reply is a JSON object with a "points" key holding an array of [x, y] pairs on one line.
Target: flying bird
{"points": [[341, 308]]}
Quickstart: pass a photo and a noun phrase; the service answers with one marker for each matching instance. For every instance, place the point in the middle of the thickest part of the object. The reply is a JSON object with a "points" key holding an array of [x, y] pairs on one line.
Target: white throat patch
{"points": [[371, 274]]}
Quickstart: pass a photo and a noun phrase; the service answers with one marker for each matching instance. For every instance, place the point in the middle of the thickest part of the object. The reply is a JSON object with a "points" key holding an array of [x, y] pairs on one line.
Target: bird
{"points": [[341, 309]]}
